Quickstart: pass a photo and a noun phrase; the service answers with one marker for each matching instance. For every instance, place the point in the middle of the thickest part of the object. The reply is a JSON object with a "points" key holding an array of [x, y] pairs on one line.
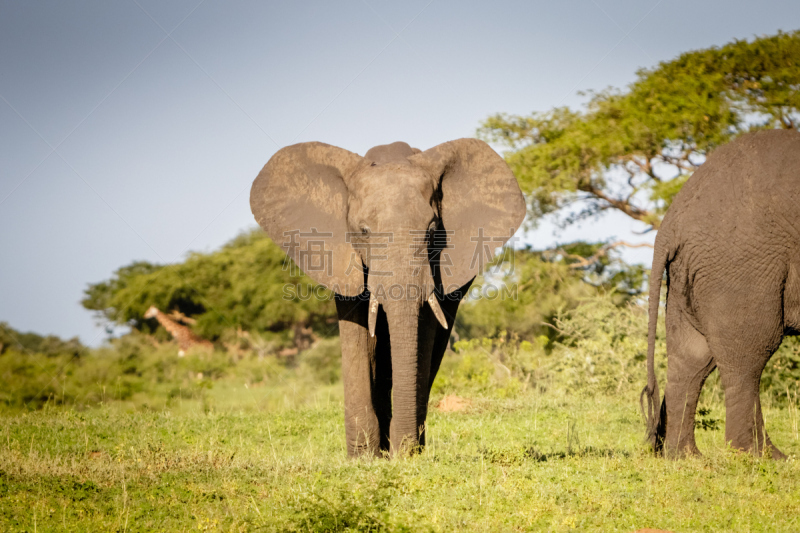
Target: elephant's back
{"points": [[751, 185]]}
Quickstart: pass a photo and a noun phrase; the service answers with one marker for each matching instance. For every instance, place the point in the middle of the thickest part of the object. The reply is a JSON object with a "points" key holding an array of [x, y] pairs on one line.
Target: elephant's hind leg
{"points": [[744, 421], [689, 362], [743, 343]]}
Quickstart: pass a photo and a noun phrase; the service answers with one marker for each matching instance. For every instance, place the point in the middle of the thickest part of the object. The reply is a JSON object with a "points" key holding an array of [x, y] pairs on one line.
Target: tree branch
{"points": [[585, 262], [683, 161], [624, 206], [646, 166]]}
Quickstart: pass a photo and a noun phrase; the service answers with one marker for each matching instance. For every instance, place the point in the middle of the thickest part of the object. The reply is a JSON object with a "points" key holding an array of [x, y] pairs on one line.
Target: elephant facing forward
{"points": [[730, 244], [397, 235]]}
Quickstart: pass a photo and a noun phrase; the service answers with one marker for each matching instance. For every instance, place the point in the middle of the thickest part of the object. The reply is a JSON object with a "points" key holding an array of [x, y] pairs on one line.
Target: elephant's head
{"points": [[406, 227]]}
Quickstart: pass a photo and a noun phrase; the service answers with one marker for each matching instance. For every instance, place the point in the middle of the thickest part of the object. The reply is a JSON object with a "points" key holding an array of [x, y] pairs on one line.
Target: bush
{"points": [[523, 291], [127, 368], [602, 348], [492, 367], [348, 509], [597, 348], [781, 378], [323, 361], [49, 345]]}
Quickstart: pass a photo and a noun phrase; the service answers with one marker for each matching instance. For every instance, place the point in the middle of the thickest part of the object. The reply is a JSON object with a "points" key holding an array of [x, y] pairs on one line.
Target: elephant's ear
{"points": [[481, 205], [300, 199]]}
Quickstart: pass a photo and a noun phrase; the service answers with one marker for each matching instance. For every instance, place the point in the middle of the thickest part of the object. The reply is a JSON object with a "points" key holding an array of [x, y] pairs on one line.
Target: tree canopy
{"points": [[539, 287], [629, 150], [48, 345], [242, 285], [632, 150]]}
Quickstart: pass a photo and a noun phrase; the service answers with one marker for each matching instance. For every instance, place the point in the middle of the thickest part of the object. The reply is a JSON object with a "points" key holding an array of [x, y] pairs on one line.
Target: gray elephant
{"points": [[730, 244], [397, 235]]}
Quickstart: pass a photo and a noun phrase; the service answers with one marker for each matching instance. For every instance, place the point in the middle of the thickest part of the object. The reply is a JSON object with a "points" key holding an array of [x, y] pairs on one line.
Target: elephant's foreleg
{"points": [[689, 363], [362, 427]]}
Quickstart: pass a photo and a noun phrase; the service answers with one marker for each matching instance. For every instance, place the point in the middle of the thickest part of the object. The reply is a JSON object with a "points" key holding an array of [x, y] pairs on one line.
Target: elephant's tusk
{"points": [[434, 303], [373, 314]]}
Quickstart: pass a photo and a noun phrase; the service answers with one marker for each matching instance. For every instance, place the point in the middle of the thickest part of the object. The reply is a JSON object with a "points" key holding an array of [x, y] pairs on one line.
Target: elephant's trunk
{"points": [[410, 374], [402, 294]]}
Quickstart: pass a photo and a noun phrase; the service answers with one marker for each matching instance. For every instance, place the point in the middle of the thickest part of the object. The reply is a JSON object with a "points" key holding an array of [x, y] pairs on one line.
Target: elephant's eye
{"points": [[364, 230]]}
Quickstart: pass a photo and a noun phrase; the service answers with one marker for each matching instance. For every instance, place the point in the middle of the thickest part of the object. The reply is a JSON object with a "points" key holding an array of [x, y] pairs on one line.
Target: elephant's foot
{"points": [[363, 450], [407, 448], [679, 440], [769, 451], [368, 445], [684, 450], [765, 449], [774, 453]]}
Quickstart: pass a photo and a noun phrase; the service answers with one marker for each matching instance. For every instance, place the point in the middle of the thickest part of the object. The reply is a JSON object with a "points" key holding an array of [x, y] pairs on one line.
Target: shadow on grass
{"points": [[532, 454]]}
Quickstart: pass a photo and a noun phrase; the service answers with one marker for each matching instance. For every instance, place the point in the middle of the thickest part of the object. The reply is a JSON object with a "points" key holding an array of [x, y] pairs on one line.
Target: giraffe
{"points": [[186, 339]]}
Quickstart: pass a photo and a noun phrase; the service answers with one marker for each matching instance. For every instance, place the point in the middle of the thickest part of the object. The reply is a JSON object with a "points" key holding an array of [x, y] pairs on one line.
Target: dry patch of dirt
{"points": [[453, 404]]}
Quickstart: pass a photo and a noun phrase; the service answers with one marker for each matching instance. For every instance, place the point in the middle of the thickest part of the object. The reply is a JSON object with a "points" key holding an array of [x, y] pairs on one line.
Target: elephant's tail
{"points": [[650, 392]]}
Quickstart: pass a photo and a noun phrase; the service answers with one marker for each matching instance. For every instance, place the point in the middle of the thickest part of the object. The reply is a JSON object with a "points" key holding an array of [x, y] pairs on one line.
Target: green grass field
{"points": [[131, 437], [270, 456]]}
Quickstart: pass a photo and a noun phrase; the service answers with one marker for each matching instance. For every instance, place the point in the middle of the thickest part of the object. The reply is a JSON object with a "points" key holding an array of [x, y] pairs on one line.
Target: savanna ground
{"points": [[131, 437]]}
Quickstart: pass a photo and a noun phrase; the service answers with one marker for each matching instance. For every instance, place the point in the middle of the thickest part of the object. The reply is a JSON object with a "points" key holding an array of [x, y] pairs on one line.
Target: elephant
{"points": [[398, 236], [730, 246]]}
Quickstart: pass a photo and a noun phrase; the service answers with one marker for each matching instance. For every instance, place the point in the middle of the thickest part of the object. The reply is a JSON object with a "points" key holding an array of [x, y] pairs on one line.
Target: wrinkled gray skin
{"points": [[461, 187], [730, 244]]}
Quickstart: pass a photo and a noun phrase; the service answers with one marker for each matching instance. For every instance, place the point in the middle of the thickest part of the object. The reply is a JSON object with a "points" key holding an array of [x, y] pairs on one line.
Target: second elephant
{"points": [[730, 245]]}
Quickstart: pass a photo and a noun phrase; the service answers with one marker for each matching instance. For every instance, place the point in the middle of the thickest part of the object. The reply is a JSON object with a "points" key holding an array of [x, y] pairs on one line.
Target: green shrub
{"points": [[597, 348], [602, 347], [49, 345], [781, 378], [31, 380], [323, 361], [482, 366], [348, 509], [523, 291]]}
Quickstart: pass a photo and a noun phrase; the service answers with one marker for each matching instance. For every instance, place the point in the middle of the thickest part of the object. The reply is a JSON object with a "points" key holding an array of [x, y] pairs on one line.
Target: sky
{"points": [[133, 129]]}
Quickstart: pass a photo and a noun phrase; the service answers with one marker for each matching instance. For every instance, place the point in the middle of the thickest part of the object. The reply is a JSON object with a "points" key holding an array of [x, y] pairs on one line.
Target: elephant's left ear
{"points": [[481, 206]]}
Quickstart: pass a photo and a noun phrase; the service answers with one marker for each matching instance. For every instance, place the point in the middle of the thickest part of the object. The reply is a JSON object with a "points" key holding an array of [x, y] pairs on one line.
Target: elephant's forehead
{"points": [[388, 153], [390, 179], [386, 194]]}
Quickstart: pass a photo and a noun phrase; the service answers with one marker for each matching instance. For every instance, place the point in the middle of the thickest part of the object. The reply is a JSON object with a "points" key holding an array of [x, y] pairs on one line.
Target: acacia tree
{"points": [[632, 150]]}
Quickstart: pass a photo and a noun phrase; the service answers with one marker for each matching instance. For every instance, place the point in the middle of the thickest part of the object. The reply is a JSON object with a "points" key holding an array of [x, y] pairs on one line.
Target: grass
{"points": [[131, 437], [272, 458]]}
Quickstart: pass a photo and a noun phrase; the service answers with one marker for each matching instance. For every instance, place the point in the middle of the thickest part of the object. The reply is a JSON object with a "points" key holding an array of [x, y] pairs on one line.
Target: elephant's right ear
{"points": [[300, 199]]}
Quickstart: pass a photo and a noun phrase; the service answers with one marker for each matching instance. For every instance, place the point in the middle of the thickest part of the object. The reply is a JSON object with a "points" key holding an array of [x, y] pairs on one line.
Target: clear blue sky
{"points": [[132, 130]]}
